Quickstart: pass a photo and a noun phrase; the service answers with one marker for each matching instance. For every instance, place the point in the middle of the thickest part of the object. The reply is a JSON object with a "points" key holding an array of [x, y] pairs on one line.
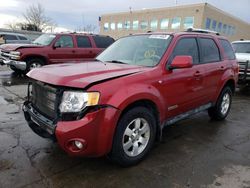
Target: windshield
{"points": [[44, 39], [142, 50], [242, 47]]}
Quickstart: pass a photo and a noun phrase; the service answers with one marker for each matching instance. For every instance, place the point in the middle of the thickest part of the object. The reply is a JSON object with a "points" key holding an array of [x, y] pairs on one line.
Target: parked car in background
{"points": [[9, 38], [53, 48], [119, 104], [242, 51]]}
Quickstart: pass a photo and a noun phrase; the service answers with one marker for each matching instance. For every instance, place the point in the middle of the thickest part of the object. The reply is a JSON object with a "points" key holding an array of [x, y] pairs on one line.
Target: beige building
{"points": [[172, 19]]}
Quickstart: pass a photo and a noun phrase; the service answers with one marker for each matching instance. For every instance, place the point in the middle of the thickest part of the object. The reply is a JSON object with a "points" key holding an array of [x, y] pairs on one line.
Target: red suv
{"points": [[53, 48], [119, 104]]}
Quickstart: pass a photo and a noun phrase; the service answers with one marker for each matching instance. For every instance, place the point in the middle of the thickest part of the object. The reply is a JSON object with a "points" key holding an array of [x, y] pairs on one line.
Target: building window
{"points": [[224, 28], [112, 26], [229, 31], [233, 30], [164, 23], [119, 26], [106, 26], [127, 25], [144, 25], [135, 24], [154, 24], [188, 22], [208, 23], [214, 23], [176, 23], [219, 27]]}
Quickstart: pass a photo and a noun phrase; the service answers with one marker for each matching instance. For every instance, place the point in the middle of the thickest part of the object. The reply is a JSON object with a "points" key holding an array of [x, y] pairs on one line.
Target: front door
{"points": [[63, 50], [184, 88]]}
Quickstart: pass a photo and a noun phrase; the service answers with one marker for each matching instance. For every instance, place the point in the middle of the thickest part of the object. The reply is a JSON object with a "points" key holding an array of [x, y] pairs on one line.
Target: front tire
{"points": [[33, 63], [221, 109], [134, 137]]}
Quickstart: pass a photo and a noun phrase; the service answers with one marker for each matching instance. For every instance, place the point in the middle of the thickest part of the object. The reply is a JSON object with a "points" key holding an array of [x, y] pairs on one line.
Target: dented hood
{"points": [[82, 75], [12, 47]]}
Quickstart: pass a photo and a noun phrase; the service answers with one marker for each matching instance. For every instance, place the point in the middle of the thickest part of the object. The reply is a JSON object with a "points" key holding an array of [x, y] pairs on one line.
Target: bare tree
{"points": [[35, 16]]}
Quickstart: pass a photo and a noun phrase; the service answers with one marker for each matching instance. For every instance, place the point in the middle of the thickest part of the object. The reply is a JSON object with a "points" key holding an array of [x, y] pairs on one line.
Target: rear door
{"points": [[84, 51], [213, 64], [63, 50]]}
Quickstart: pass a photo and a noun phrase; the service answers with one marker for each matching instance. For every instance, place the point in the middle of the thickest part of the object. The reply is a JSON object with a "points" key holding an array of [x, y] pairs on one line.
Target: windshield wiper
{"points": [[116, 61], [100, 61]]}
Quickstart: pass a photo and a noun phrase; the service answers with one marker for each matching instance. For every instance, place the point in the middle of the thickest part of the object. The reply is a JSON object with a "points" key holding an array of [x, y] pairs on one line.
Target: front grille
{"points": [[4, 54], [43, 99], [244, 68]]}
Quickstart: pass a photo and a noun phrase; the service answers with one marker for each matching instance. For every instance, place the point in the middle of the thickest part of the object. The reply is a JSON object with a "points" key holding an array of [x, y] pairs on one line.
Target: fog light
{"points": [[78, 144]]}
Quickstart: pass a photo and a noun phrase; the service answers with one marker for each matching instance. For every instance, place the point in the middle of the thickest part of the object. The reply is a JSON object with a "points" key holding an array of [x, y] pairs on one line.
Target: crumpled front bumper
{"points": [[21, 65]]}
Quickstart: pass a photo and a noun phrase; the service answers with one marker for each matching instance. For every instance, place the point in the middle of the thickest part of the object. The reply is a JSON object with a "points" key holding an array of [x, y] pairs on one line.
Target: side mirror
{"points": [[56, 45], [180, 62]]}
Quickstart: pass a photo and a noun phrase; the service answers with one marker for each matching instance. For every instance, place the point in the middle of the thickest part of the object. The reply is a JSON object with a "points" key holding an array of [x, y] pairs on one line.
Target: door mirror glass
{"points": [[180, 62]]}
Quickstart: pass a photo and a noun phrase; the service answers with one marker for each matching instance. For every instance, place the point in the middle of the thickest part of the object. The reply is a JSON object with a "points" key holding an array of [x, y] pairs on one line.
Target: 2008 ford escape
{"points": [[118, 104]]}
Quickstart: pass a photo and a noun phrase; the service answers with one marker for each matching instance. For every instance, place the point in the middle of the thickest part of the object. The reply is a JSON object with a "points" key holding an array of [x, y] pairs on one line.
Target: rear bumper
{"points": [[95, 130]]}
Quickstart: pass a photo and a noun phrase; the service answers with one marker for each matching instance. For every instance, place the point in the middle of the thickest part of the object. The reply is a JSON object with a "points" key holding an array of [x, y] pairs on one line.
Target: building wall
{"points": [[235, 29], [195, 11], [199, 12]]}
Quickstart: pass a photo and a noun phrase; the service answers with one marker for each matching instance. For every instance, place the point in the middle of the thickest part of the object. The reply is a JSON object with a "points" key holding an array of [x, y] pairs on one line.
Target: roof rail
{"points": [[202, 31]]}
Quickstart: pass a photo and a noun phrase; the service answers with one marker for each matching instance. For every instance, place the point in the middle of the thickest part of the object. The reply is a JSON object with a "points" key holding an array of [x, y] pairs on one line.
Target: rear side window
{"points": [[22, 38], [227, 49], [83, 42], [10, 37], [187, 46], [209, 51], [103, 42]]}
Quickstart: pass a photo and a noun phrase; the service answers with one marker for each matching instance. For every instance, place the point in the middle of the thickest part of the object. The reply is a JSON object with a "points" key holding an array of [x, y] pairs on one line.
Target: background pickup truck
{"points": [[242, 52], [52, 49]]}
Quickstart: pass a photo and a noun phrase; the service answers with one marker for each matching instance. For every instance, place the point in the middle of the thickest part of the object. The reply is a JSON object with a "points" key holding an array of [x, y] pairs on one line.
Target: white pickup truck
{"points": [[242, 51]]}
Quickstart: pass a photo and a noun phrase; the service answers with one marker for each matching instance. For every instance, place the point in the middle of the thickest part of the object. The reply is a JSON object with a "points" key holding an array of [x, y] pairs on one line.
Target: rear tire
{"points": [[221, 109], [134, 137]]}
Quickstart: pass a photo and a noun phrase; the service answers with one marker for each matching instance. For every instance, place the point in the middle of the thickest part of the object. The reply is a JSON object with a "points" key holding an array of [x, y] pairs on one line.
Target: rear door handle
{"points": [[222, 68], [197, 74]]}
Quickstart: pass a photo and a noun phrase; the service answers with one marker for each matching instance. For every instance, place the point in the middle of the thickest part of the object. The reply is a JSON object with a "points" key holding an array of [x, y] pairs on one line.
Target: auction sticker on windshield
{"points": [[159, 37]]}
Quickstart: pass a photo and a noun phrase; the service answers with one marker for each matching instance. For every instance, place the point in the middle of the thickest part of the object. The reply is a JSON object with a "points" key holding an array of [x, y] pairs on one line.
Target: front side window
{"points": [[242, 47], [10, 37], [65, 41], [154, 24], [83, 42], [209, 51], [144, 25], [188, 22], [141, 50], [228, 50], [164, 23], [176, 23], [187, 46], [135, 25]]}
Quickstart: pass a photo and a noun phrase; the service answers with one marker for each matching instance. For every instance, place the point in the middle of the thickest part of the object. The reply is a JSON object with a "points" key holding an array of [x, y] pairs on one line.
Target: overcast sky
{"points": [[71, 14]]}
